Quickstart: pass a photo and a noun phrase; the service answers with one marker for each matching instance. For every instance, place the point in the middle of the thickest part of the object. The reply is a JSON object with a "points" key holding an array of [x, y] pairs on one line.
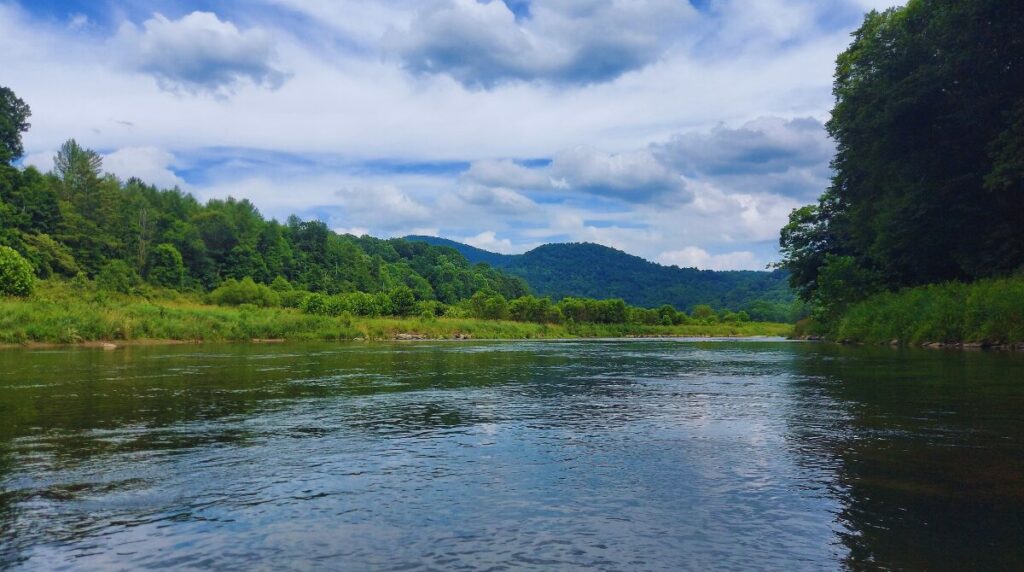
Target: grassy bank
{"points": [[986, 312], [58, 313]]}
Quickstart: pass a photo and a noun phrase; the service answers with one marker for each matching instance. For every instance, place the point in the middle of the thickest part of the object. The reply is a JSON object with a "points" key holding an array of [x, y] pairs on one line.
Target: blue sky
{"points": [[680, 131]]}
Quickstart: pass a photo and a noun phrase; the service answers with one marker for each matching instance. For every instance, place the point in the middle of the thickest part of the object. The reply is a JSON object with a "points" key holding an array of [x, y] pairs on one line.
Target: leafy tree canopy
{"points": [[928, 179], [14, 114]]}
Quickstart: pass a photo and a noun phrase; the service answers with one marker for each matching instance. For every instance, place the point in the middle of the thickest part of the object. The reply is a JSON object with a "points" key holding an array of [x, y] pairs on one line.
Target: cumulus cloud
{"points": [[151, 165], [482, 44], [42, 160], [504, 173], [771, 153], [497, 199], [696, 257], [383, 205], [488, 240], [199, 53], [631, 176]]}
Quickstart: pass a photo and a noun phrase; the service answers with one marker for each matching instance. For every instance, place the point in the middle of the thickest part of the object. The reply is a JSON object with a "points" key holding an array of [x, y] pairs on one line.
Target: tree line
{"points": [[928, 176], [79, 221]]}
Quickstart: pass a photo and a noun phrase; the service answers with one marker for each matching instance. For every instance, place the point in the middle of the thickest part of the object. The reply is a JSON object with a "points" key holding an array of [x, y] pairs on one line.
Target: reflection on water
{"points": [[609, 455]]}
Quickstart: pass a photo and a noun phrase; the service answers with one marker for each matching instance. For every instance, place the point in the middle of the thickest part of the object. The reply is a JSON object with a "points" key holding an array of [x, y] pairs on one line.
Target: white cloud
{"points": [[552, 155], [561, 42], [633, 176], [199, 54], [385, 205], [488, 240], [78, 21], [696, 257], [505, 173], [353, 230], [497, 199], [149, 164], [42, 160]]}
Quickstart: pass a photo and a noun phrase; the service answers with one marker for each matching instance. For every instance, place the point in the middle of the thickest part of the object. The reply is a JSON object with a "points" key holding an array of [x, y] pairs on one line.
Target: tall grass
{"points": [[987, 311], [65, 313]]}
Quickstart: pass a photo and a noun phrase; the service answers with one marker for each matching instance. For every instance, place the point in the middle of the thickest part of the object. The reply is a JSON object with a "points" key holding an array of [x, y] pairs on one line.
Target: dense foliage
{"points": [[487, 304], [596, 271], [928, 180], [988, 311], [77, 219], [16, 278], [73, 311]]}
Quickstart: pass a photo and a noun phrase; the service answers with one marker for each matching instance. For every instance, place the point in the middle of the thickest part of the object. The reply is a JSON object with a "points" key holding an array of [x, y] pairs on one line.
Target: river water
{"points": [[603, 455]]}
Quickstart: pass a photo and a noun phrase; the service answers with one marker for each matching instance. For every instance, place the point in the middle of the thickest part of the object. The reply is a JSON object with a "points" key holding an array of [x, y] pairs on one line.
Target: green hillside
{"points": [[596, 271]]}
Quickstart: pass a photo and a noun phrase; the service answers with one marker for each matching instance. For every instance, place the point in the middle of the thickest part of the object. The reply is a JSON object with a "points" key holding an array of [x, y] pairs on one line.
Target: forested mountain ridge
{"points": [[596, 271], [77, 220]]}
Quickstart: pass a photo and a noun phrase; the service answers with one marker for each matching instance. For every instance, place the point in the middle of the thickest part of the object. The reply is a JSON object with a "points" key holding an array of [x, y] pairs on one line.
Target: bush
{"points": [[315, 304], [166, 267], [118, 276], [989, 311], [281, 285], [488, 305], [236, 292], [403, 301], [292, 298], [17, 277], [704, 313]]}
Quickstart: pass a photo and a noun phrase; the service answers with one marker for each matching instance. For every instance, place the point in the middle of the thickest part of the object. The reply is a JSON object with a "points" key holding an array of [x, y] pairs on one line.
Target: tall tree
{"points": [[14, 114], [929, 129], [78, 169]]}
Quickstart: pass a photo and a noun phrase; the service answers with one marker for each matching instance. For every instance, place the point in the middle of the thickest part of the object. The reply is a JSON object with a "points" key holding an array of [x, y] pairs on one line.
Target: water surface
{"points": [[606, 455]]}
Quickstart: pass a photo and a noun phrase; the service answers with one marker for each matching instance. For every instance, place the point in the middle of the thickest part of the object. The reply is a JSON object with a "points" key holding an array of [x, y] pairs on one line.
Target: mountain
{"points": [[472, 253], [596, 271]]}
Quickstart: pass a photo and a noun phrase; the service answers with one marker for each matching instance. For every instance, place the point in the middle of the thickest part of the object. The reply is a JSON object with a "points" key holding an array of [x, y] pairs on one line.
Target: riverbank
{"points": [[987, 314], [121, 320]]}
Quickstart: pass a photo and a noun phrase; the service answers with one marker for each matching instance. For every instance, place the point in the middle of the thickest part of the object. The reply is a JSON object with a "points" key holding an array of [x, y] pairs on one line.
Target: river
{"points": [[597, 455]]}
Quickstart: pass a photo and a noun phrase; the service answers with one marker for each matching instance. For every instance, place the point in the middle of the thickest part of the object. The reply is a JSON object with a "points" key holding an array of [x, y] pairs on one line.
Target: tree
{"points": [[78, 168], [488, 305], [703, 312], [403, 302], [928, 172], [14, 114], [841, 282], [16, 275], [166, 267], [118, 276]]}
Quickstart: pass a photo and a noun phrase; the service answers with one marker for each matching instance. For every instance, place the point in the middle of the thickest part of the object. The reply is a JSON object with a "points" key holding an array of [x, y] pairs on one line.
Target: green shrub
{"points": [[245, 291], [704, 313], [989, 311], [403, 301], [281, 285], [166, 267], [292, 298], [118, 276], [488, 305], [17, 277], [315, 304]]}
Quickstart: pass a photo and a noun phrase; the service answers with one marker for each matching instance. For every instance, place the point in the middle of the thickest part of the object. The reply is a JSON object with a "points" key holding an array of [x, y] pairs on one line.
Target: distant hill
{"points": [[596, 271], [472, 253]]}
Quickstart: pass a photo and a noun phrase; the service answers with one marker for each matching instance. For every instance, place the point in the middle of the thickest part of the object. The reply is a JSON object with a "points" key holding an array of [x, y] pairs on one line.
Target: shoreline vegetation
{"points": [[86, 257], [954, 315], [919, 239], [78, 313]]}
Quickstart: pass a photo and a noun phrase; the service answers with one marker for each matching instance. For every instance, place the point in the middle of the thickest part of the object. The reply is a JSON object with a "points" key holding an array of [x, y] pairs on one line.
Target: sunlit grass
{"points": [[987, 311], [64, 313]]}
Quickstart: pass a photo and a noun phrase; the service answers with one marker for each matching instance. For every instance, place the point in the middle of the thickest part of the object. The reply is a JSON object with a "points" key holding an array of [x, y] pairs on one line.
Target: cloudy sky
{"points": [[681, 131]]}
